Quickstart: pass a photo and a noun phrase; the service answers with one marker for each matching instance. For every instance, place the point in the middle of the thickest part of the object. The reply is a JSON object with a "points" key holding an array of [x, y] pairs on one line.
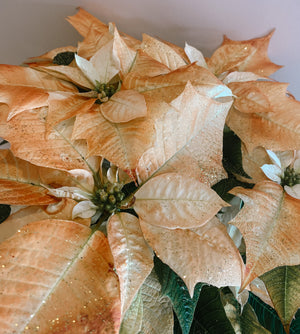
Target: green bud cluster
{"points": [[290, 177], [105, 91], [109, 197]]}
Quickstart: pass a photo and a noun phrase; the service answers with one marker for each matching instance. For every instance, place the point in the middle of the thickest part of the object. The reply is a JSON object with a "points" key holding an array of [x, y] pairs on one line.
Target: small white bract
{"points": [[83, 193], [285, 170], [93, 196]]}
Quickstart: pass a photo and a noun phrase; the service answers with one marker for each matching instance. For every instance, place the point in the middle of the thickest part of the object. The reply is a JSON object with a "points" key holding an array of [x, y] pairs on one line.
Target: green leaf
{"points": [[150, 312], [266, 315], [247, 322], [174, 287], [222, 188], [250, 323], [4, 212], [133, 319], [295, 326], [283, 285], [158, 314], [232, 154], [210, 316]]}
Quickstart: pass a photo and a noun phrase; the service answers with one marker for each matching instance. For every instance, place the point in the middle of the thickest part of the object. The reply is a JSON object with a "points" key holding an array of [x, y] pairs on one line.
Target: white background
{"points": [[32, 27]]}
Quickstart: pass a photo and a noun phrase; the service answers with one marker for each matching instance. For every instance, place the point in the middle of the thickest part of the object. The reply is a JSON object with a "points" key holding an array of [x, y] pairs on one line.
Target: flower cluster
{"points": [[124, 157], [285, 171]]}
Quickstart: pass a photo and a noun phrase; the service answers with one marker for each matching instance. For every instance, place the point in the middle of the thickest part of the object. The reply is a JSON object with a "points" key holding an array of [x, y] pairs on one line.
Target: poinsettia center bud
{"points": [[290, 177], [109, 197], [105, 91]]}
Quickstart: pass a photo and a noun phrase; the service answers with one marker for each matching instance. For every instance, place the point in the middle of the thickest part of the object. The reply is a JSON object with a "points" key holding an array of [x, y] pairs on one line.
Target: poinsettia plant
{"points": [[148, 189]]}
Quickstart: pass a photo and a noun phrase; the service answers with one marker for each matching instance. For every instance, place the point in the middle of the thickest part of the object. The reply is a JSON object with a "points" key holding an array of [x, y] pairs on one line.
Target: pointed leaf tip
{"points": [[133, 257], [175, 201], [267, 223]]}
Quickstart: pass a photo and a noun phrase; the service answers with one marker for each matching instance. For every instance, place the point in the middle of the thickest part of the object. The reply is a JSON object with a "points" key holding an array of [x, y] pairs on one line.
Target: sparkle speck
{"points": [[74, 321], [16, 325], [19, 231], [3, 266], [37, 327]]}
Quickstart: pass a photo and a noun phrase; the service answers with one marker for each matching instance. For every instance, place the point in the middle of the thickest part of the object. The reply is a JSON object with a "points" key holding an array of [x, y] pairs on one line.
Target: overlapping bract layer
{"points": [[157, 112]]}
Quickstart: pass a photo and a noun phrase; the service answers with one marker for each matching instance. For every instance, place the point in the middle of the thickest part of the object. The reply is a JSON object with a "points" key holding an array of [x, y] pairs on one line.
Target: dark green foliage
{"points": [[210, 316], [232, 162], [232, 155], [64, 58], [295, 326], [174, 287], [177, 328], [266, 315], [4, 212], [250, 323], [222, 187], [129, 188]]}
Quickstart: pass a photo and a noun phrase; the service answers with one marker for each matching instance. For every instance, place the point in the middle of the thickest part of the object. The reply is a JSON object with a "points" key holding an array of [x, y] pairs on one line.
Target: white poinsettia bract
{"points": [[285, 170]]}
